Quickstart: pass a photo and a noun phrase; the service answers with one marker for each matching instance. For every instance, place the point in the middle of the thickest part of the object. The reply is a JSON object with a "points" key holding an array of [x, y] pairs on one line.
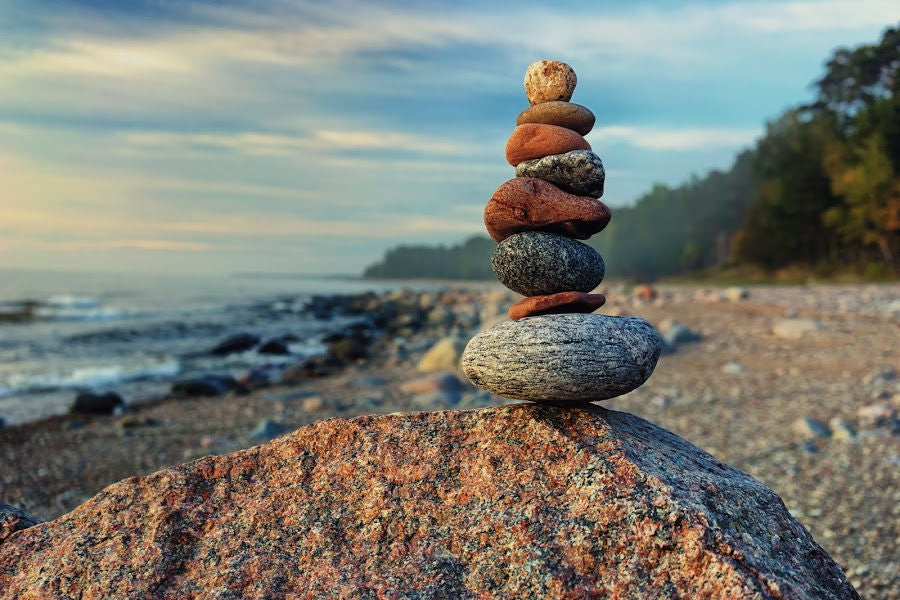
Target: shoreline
{"points": [[814, 418], [336, 303]]}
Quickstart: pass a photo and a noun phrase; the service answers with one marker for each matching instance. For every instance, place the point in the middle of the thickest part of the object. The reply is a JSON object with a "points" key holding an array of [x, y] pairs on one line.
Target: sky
{"points": [[308, 137]]}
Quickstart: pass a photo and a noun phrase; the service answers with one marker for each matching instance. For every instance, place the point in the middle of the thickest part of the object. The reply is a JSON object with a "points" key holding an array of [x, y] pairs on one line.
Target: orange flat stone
{"points": [[563, 302], [536, 140]]}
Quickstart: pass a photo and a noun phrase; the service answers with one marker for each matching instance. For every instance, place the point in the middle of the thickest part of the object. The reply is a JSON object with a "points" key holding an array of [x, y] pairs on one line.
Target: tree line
{"points": [[820, 190]]}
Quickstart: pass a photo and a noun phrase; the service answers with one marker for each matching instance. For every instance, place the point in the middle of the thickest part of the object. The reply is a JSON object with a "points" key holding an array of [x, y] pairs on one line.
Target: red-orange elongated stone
{"points": [[531, 204]]}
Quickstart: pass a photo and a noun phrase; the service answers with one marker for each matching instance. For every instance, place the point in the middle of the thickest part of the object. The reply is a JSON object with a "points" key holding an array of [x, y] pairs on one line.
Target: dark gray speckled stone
{"points": [[563, 358], [579, 172], [537, 263]]}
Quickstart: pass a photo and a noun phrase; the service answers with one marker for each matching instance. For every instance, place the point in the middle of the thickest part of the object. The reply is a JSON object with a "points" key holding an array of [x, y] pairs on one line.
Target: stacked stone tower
{"points": [[554, 349]]}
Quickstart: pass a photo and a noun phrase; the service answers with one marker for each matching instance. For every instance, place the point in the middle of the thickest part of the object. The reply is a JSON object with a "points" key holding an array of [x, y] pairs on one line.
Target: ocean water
{"points": [[135, 333]]}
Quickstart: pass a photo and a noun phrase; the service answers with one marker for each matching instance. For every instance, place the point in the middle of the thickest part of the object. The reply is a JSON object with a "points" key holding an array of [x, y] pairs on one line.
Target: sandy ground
{"points": [[738, 393]]}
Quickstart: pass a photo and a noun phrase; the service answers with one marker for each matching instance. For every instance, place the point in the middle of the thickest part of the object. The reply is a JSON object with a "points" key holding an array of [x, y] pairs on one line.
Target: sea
{"points": [[62, 333]]}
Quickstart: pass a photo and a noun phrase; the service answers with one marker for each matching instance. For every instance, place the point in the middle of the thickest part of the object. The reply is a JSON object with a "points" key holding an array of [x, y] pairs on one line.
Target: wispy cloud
{"points": [[688, 138], [204, 127], [268, 144]]}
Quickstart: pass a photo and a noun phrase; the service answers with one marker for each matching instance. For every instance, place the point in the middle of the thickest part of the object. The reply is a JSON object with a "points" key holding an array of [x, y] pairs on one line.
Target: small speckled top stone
{"points": [[579, 172], [563, 358], [536, 263], [549, 80]]}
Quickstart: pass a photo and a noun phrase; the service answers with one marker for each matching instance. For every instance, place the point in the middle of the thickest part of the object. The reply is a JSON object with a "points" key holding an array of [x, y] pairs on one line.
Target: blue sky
{"points": [[308, 137]]}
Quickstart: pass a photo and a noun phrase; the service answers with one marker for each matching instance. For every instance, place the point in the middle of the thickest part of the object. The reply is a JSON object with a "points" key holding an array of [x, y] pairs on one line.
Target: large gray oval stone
{"points": [[537, 263], [579, 172], [563, 358]]}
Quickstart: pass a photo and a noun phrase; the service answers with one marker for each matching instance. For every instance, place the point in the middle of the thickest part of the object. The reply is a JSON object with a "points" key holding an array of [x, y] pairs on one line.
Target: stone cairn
{"points": [[554, 350]]}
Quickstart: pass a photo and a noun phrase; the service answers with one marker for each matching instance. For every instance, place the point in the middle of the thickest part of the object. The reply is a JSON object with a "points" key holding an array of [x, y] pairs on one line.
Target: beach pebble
{"points": [[535, 140], [735, 294], [312, 404], [732, 368], [680, 334], [549, 80], [794, 329], [644, 293], [91, 403], [562, 114], [535, 263], [578, 172], [530, 204], [563, 358], [842, 429], [443, 356], [564, 302]]}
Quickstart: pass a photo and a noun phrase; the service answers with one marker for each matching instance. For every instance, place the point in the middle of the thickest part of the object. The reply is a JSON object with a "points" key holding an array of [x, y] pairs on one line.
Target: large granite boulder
{"points": [[13, 519], [518, 501]]}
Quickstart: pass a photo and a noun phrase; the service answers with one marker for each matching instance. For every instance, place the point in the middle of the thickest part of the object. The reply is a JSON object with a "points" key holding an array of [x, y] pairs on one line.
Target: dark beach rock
{"points": [[564, 302], [535, 263], [563, 358], [530, 204], [92, 403], [534, 140], [559, 113], [268, 429], [522, 501], [13, 519], [2, 422], [275, 346], [205, 385], [549, 80], [579, 172], [236, 343]]}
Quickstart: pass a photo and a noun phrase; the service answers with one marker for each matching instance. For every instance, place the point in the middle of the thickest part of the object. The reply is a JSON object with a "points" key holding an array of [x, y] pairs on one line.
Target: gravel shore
{"points": [[813, 416]]}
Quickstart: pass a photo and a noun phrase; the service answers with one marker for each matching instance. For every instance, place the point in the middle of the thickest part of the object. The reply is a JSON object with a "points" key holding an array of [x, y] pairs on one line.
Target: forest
{"points": [[819, 192]]}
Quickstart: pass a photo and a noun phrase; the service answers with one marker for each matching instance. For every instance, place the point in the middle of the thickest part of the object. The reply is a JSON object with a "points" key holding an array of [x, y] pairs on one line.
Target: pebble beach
{"points": [[799, 386]]}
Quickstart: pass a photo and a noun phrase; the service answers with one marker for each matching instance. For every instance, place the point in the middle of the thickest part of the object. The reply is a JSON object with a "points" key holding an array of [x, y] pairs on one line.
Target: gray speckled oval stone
{"points": [[579, 172], [563, 358], [537, 263]]}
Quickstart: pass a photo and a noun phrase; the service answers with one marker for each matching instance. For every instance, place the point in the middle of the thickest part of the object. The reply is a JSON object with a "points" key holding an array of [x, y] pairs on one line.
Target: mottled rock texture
{"points": [[529, 204], [563, 114], [11, 520], [522, 501], [563, 358], [534, 140], [578, 172], [536, 263], [563, 302], [549, 80]]}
